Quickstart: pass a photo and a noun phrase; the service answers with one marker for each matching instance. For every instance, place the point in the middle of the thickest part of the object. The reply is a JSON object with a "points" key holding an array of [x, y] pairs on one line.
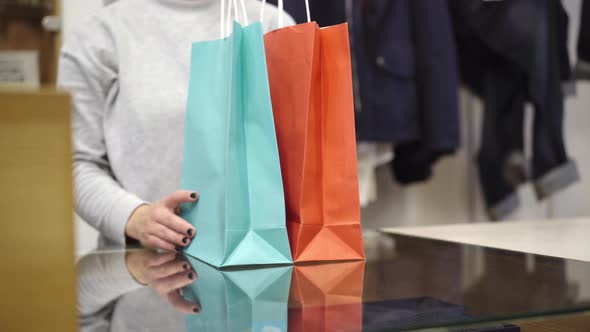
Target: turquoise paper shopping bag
{"points": [[250, 299], [231, 155]]}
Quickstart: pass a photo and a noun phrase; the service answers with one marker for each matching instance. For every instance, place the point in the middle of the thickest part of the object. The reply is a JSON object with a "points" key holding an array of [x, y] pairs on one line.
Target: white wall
{"points": [[575, 201]]}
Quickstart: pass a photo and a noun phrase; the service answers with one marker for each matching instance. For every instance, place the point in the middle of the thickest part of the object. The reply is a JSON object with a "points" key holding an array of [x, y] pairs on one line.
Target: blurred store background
{"points": [[452, 194]]}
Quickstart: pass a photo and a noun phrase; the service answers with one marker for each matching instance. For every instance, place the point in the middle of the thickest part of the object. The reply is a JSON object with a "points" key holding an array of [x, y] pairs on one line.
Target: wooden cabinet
{"points": [[22, 28], [36, 213]]}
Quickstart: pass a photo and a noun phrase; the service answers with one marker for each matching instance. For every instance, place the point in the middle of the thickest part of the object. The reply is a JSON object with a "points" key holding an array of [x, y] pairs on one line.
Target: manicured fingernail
{"points": [[185, 240], [191, 275], [185, 266], [178, 248], [196, 310], [189, 232], [194, 195]]}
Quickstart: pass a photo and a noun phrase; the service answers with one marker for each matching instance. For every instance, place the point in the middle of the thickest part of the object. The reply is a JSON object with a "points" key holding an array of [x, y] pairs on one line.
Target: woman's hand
{"points": [[158, 225], [166, 273]]}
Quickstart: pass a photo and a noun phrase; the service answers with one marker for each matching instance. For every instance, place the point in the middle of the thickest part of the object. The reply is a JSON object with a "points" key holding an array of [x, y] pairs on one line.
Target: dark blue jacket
{"points": [[408, 81], [405, 76], [325, 12]]}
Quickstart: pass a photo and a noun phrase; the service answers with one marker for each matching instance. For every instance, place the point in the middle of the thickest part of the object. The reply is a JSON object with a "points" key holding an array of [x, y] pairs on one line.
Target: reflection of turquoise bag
{"points": [[252, 299], [231, 155]]}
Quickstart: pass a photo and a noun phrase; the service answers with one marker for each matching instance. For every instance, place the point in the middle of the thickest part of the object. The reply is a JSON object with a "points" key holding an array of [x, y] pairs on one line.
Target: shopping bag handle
{"points": [[281, 6], [226, 20]]}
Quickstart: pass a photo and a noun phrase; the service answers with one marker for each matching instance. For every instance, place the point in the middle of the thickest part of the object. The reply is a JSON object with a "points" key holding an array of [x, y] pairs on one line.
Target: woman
{"points": [[127, 69]]}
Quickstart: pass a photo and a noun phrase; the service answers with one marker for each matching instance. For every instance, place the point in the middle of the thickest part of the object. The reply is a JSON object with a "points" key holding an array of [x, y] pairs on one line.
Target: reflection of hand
{"points": [[165, 274], [158, 226]]}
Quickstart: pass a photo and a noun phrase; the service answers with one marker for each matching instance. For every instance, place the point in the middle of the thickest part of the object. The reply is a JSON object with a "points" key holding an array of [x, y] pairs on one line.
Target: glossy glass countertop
{"points": [[406, 283]]}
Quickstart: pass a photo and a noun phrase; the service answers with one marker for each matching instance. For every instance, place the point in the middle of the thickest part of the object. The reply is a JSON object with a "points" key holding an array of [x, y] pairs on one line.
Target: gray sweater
{"points": [[127, 69], [109, 299]]}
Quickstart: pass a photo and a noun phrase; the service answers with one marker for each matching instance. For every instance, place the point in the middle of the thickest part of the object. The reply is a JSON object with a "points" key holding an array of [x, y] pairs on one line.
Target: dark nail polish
{"points": [[196, 310], [189, 232], [185, 266], [194, 195], [184, 240], [191, 276], [178, 248]]}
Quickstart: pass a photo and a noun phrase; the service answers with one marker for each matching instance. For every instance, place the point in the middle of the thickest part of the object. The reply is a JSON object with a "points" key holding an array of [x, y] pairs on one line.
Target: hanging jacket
{"points": [[405, 76], [511, 52], [407, 79]]}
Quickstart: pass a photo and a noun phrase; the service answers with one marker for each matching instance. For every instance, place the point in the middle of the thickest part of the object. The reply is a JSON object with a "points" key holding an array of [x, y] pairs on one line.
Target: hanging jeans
{"points": [[501, 161], [582, 70], [506, 77]]}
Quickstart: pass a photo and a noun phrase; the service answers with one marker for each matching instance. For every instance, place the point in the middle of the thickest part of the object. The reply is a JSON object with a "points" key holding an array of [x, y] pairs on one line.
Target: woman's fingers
{"points": [[154, 258], [170, 236], [159, 226], [182, 305], [178, 197], [153, 241], [177, 224], [169, 269], [173, 282]]}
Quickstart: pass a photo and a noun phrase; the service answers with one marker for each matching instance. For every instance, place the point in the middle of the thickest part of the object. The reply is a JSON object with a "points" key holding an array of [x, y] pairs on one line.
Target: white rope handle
{"points": [[282, 10], [228, 20], [225, 16], [262, 11], [244, 12], [222, 20], [236, 12]]}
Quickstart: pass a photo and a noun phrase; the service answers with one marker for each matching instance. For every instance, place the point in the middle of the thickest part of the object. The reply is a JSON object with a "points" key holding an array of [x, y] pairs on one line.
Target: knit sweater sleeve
{"points": [[88, 70], [102, 278]]}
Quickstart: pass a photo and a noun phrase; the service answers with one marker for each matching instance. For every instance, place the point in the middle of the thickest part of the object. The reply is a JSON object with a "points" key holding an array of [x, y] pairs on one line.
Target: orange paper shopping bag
{"points": [[327, 297], [311, 90]]}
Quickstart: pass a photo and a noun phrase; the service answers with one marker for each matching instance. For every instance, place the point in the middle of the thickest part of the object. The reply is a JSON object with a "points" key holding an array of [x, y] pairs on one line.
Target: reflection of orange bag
{"points": [[311, 88], [327, 297]]}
